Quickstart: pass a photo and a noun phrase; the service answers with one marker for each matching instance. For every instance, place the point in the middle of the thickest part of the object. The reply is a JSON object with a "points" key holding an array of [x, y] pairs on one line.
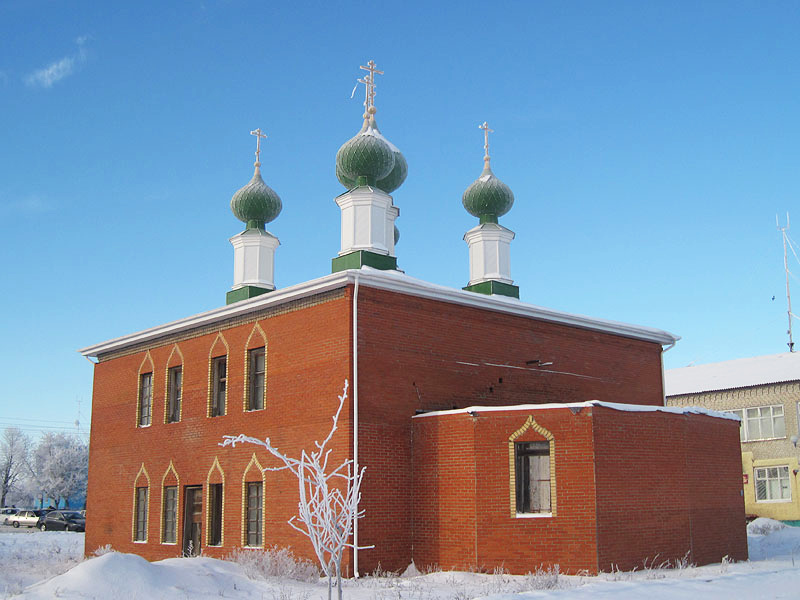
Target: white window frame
{"points": [[745, 432], [780, 477]]}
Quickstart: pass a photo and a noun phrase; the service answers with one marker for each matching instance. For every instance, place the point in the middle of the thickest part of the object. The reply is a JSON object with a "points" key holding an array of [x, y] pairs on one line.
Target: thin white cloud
{"points": [[60, 69]]}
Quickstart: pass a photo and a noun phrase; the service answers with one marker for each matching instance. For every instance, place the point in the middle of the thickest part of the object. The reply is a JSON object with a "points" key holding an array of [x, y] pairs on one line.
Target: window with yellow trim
{"points": [[532, 474], [219, 385], [255, 513], [170, 534], [257, 363], [215, 514], [140, 515], [174, 392], [145, 399]]}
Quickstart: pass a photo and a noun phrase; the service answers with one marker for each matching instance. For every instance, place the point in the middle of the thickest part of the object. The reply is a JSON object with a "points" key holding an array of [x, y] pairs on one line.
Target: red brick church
{"points": [[493, 432]]}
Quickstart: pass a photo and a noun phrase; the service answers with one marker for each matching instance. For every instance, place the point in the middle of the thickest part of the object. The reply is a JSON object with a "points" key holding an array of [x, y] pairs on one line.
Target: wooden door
{"points": [[192, 520]]}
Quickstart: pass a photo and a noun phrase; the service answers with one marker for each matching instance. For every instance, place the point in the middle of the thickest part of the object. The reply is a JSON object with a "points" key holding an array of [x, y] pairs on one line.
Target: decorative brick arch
{"points": [[148, 359], [175, 352], [256, 339], [215, 475], [253, 464], [170, 470], [531, 424]]}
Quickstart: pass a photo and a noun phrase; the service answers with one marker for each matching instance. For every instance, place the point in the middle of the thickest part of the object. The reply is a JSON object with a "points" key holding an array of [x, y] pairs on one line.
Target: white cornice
{"points": [[386, 280]]}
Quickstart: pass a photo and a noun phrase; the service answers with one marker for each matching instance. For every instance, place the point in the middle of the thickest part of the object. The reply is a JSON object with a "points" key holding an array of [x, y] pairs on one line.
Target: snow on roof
{"points": [[676, 410], [386, 280], [731, 374]]}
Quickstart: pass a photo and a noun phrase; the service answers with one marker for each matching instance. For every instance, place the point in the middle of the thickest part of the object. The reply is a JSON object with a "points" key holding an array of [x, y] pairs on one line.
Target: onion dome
{"points": [[399, 172], [256, 203], [368, 155], [390, 182], [487, 197]]}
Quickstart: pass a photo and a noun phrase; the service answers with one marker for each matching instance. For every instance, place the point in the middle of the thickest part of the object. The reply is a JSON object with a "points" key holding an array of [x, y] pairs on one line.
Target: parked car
{"points": [[7, 513], [27, 518], [62, 520]]}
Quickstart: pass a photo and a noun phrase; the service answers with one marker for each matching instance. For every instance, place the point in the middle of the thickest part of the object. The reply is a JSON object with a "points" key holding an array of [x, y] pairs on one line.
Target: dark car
{"points": [[62, 520]]}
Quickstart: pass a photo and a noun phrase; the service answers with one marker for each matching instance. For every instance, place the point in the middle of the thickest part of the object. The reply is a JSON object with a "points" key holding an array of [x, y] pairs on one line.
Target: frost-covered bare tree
{"points": [[60, 466], [14, 454], [329, 497]]}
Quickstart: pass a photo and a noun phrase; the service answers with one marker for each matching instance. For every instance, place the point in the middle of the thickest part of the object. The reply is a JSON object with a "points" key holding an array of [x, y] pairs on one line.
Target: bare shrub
{"points": [[544, 578], [274, 562], [101, 550], [763, 526]]}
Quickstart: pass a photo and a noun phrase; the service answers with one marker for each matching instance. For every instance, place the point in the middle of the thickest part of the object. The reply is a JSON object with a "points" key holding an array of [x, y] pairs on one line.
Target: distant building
{"points": [[764, 392], [494, 433]]}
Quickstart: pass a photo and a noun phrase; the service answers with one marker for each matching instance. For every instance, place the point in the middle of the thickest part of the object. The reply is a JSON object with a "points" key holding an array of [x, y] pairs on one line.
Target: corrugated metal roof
{"points": [[732, 374]]}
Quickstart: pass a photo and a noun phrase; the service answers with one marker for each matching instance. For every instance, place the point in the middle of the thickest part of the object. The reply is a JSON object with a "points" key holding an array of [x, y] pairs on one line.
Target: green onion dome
{"points": [[366, 155], [399, 172], [487, 197], [343, 179], [256, 203]]}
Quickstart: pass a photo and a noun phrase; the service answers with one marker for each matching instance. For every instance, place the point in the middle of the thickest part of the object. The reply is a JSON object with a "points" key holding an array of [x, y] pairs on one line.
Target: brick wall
{"points": [[308, 359], [417, 354], [667, 485], [414, 354], [630, 487]]}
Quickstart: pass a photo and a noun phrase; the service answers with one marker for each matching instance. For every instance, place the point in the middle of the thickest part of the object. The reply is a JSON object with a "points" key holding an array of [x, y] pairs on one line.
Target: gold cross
{"points": [[369, 83], [486, 131], [259, 135]]}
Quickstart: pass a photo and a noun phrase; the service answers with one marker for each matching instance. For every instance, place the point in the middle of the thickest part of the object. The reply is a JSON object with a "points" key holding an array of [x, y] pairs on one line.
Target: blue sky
{"points": [[649, 146]]}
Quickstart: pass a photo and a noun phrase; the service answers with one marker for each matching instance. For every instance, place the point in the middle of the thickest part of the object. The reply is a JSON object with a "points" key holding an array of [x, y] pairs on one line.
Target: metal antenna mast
{"points": [[783, 231]]}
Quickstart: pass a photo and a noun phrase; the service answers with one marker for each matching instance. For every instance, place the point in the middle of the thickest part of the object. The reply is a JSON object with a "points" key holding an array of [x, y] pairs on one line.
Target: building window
{"points": [[772, 484], [256, 362], [174, 388], [219, 383], [170, 535], [140, 515], [255, 514], [532, 467], [215, 514], [145, 399], [761, 423]]}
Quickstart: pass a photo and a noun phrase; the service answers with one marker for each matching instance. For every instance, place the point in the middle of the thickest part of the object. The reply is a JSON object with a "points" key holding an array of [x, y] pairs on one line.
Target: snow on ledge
{"points": [[675, 410]]}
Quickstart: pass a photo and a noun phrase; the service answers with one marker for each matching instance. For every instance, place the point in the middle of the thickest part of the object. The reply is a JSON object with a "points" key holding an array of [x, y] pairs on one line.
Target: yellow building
{"points": [[764, 391]]}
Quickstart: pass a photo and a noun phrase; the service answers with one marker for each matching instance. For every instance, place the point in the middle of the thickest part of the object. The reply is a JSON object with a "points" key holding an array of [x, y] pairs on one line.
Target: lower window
{"points": [[215, 514], [140, 515], [772, 483], [255, 514], [170, 515], [532, 462]]}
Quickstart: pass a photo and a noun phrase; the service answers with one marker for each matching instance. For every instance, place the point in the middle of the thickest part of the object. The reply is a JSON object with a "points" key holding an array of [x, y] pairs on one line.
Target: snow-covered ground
{"points": [[54, 560]]}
